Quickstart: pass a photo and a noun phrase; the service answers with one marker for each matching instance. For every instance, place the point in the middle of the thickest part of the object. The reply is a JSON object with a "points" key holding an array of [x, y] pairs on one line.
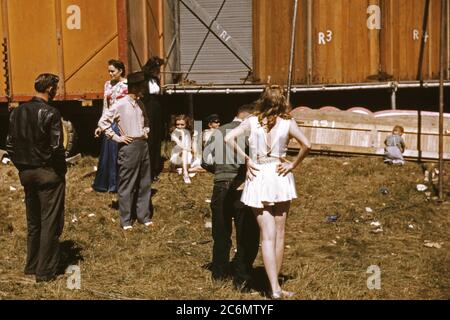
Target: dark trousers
{"points": [[156, 122], [226, 205], [44, 200], [134, 188]]}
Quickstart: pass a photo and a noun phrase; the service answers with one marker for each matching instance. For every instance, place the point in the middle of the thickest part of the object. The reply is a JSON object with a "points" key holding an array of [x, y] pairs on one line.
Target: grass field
{"points": [[323, 260]]}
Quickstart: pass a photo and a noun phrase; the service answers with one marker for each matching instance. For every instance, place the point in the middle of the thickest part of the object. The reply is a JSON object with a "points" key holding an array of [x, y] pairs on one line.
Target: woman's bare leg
{"points": [[184, 158], [266, 222], [281, 211]]}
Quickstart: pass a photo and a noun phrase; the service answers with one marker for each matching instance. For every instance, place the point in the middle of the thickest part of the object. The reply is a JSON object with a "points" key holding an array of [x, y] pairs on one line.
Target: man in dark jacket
{"points": [[35, 146], [152, 102], [229, 175]]}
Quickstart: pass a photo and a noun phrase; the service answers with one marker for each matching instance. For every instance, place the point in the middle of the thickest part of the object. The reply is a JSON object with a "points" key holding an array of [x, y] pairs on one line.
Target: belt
{"points": [[268, 159], [139, 138]]}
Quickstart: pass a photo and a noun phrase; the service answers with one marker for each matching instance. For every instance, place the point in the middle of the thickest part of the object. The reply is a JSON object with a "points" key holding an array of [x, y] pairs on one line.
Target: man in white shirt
{"points": [[134, 185]]}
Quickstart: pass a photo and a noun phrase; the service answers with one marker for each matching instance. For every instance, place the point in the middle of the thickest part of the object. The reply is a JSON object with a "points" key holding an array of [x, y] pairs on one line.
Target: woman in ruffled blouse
{"points": [[115, 89]]}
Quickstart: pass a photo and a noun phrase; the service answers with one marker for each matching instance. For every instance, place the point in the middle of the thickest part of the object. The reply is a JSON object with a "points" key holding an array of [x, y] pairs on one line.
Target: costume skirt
{"points": [[268, 187]]}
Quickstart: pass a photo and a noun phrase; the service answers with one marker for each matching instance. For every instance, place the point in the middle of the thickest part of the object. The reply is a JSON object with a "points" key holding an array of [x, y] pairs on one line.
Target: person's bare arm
{"points": [[295, 132], [402, 144], [231, 140], [177, 141], [194, 144]]}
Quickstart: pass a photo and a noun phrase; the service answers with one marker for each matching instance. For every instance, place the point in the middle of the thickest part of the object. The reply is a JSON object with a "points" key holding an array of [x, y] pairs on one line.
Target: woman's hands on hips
{"points": [[284, 168]]}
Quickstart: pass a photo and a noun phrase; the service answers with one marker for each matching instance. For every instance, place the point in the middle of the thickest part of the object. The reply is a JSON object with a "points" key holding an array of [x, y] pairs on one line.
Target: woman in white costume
{"points": [[185, 152], [270, 185]]}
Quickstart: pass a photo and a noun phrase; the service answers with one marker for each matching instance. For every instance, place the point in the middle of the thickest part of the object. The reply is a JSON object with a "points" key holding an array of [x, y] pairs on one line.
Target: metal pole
{"points": [[309, 35], [420, 78], [190, 98], [291, 60], [448, 39], [441, 101], [181, 89], [424, 40], [394, 96], [6, 52]]}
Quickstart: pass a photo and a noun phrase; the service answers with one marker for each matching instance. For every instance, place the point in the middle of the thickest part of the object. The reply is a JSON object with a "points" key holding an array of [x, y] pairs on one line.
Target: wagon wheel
{"points": [[70, 137]]}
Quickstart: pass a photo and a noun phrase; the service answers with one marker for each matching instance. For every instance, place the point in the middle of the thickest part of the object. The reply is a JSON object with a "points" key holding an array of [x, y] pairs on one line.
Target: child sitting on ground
{"points": [[213, 122], [184, 154], [395, 146]]}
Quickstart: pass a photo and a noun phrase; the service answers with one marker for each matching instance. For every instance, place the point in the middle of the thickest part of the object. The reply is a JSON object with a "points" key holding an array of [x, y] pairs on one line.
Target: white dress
{"points": [[267, 150], [184, 137]]}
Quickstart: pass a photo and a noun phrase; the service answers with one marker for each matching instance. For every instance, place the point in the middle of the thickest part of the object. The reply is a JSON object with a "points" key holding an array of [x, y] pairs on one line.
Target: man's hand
{"points": [[97, 132], [126, 139]]}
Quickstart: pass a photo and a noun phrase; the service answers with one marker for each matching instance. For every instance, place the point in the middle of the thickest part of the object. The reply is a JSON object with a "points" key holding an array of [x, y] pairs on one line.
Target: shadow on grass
{"points": [[70, 255], [260, 281]]}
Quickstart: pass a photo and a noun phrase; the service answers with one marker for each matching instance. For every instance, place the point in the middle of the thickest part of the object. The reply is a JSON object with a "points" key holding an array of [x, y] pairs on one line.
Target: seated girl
{"points": [[184, 155]]}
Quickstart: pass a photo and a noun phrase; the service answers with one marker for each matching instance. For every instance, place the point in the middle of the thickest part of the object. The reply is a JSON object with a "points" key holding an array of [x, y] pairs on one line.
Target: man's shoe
{"points": [[48, 278], [241, 286], [220, 277], [115, 204], [29, 273]]}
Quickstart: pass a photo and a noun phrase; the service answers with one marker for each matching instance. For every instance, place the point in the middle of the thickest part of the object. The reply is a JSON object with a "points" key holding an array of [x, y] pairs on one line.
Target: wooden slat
{"points": [[272, 41], [399, 50], [350, 132]]}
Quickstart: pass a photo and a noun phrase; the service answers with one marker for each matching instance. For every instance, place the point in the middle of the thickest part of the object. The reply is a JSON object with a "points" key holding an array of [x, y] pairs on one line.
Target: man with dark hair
{"points": [[134, 188], [229, 175], [35, 145]]}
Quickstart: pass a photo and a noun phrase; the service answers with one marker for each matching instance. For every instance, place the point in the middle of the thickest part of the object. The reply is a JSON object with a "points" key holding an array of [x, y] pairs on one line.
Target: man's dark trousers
{"points": [[226, 205], [134, 187], [44, 199]]}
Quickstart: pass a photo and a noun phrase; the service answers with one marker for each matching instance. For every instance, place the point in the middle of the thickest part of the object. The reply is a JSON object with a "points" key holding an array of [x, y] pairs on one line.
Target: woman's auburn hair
{"points": [[272, 104], [185, 118]]}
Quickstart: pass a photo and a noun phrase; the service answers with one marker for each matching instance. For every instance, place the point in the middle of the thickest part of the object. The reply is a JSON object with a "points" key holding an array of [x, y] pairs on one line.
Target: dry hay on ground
{"points": [[323, 260]]}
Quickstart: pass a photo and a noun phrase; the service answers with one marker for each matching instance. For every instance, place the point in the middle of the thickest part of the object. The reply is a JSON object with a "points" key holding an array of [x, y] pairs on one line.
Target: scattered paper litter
{"points": [[430, 244], [421, 187], [375, 224]]}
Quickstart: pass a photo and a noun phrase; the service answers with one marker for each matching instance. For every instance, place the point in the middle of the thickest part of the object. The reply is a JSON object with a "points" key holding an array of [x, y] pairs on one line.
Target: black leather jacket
{"points": [[35, 137]]}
